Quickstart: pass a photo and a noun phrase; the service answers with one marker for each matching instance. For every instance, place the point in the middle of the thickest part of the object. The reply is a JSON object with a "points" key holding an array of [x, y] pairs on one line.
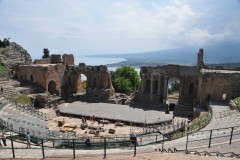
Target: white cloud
{"points": [[204, 36], [119, 26], [141, 22]]}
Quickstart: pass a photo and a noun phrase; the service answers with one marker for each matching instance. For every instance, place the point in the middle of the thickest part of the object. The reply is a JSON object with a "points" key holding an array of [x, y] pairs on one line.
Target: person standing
{"points": [[28, 140], [4, 138], [88, 143], [0, 143]]}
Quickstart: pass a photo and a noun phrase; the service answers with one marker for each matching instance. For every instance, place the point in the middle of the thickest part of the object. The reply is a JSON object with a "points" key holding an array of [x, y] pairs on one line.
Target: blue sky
{"points": [[86, 27]]}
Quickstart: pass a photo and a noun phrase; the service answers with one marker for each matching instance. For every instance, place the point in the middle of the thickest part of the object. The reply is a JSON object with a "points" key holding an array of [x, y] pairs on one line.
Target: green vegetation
{"points": [[125, 79], [200, 121], [4, 43], [84, 84], [23, 98], [237, 101], [197, 124], [174, 87], [46, 53], [2, 68]]}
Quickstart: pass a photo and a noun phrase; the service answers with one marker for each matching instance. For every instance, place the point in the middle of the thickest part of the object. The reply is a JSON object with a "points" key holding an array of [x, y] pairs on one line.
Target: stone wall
{"points": [[42, 61], [42, 74], [56, 58], [98, 81], [68, 59], [155, 83], [197, 83], [218, 85]]}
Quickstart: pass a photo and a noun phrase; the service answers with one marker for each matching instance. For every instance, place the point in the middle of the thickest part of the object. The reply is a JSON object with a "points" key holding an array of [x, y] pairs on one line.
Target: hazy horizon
{"points": [[118, 26]]}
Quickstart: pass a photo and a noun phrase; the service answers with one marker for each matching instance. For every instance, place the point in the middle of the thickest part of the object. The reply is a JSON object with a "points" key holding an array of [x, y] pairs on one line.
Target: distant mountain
{"points": [[218, 53]]}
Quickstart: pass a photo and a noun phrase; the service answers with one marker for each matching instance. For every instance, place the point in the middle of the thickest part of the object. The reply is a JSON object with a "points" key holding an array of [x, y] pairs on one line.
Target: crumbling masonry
{"points": [[58, 75], [198, 84]]}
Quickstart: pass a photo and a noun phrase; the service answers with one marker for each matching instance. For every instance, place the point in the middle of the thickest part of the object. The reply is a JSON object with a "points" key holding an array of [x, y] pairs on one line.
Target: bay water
{"points": [[95, 61]]}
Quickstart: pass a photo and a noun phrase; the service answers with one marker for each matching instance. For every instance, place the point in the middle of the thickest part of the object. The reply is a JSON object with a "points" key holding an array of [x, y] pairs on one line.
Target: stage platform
{"points": [[115, 112]]}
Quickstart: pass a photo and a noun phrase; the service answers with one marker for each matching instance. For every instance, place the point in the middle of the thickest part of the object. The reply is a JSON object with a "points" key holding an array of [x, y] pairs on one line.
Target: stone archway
{"points": [[81, 80], [52, 87], [173, 90]]}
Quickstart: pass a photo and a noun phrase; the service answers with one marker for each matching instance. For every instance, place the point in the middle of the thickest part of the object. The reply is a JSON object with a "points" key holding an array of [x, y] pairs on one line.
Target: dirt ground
{"points": [[53, 125], [78, 132]]}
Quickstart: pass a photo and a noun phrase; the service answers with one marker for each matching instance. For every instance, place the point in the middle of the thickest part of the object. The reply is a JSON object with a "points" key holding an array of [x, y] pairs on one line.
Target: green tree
{"points": [[84, 84], [174, 87], [126, 79], [4, 43], [46, 53]]}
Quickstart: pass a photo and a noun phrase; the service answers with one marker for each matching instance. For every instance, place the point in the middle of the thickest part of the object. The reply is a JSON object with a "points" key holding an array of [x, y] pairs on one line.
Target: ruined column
{"points": [[151, 84], [159, 84], [143, 81], [165, 86]]}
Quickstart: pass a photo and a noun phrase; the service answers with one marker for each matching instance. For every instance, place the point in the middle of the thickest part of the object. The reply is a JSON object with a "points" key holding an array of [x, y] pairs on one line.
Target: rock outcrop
{"points": [[14, 54]]}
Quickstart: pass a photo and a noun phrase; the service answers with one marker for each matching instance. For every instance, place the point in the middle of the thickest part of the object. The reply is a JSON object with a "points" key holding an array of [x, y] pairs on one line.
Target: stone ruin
{"points": [[59, 76], [198, 84]]}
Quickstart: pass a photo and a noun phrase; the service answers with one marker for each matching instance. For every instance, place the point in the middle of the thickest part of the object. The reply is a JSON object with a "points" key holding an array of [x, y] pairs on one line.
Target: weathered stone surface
{"points": [[111, 131], [119, 124], [93, 127], [42, 61], [68, 59], [232, 105], [70, 125], [56, 76], [92, 132], [83, 126], [198, 84], [56, 58], [104, 121], [42, 97], [14, 54]]}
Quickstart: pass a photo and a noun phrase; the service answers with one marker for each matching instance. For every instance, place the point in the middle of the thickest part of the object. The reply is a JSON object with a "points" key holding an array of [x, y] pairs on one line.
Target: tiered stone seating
{"points": [[9, 88], [223, 117], [25, 121], [221, 133]]}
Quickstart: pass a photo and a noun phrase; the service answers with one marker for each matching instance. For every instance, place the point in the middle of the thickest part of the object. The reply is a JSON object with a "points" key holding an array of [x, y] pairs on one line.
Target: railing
{"points": [[207, 137], [201, 153], [43, 144]]}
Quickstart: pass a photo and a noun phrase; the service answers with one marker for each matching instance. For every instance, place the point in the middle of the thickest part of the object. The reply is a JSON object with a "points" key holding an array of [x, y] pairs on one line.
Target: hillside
{"points": [[11, 54], [218, 53]]}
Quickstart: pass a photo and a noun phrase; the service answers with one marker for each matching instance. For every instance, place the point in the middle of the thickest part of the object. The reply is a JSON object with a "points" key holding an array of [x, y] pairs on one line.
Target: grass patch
{"points": [[178, 135], [237, 101], [24, 99], [2, 68], [3, 71], [200, 121], [197, 124]]}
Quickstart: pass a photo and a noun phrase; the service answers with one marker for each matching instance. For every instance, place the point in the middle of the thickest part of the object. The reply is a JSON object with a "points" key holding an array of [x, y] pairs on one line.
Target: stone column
{"points": [[151, 84], [143, 81], [165, 86], [159, 84]]}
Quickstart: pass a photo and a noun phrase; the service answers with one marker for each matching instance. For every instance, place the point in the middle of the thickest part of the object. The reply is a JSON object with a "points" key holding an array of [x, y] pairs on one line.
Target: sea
{"points": [[95, 61]]}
